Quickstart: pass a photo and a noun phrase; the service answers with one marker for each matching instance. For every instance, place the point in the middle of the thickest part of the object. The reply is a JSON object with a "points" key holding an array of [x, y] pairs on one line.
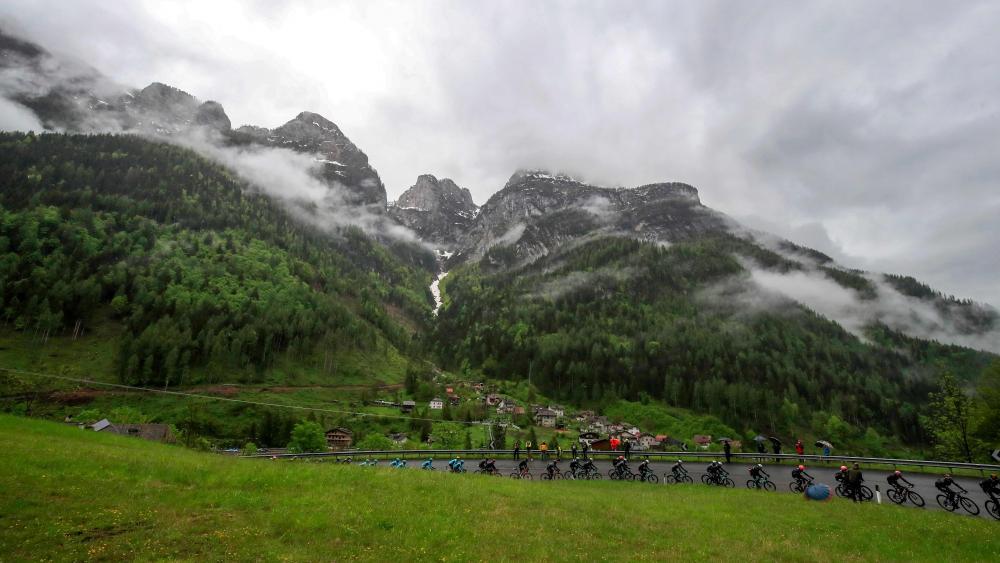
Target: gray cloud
{"points": [[867, 129]]}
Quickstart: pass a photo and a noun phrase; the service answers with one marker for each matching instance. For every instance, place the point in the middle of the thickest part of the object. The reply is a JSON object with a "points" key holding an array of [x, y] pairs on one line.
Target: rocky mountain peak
{"points": [[439, 211]]}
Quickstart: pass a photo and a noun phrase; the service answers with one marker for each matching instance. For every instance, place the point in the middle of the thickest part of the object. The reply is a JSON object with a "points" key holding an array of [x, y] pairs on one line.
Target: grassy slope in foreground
{"points": [[68, 494]]}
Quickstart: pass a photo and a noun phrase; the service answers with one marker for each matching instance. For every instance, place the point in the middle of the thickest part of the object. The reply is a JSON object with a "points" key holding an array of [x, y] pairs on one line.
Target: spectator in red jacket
{"points": [[799, 449]]}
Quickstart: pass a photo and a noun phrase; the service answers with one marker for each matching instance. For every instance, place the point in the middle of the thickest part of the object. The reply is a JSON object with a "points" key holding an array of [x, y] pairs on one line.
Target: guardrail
{"points": [[951, 465]]}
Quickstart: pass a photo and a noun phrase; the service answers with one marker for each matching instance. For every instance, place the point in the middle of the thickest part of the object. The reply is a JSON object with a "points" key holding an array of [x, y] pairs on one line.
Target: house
{"points": [[407, 406], [558, 409], [589, 437], [436, 403], [454, 400], [661, 438], [153, 432], [506, 407], [584, 416], [449, 390], [702, 440], [603, 445], [398, 438], [493, 399], [478, 386], [674, 444], [518, 410], [647, 440], [545, 417], [339, 439]]}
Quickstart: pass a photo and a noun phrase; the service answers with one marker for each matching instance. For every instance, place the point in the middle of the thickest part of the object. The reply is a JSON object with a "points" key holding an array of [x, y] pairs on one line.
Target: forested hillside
{"points": [[617, 318], [207, 277]]}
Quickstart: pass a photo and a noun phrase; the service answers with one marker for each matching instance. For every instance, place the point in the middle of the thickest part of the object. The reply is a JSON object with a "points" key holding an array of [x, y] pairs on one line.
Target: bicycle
{"points": [[554, 475], [762, 483], [900, 495], [621, 474], [866, 493], [674, 479], [516, 474], [800, 485], [992, 508], [488, 472], [591, 474], [954, 501], [649, 477], [721, 480]]}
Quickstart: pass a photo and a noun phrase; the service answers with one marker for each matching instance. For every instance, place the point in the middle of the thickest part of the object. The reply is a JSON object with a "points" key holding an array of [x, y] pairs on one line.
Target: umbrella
{"points": [[774, 440], [823, 444], [759, 438], [725, 439]]}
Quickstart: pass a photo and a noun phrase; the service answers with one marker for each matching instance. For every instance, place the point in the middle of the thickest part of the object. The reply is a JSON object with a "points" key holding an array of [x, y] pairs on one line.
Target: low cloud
{"points": [[558, 287], [15, 117], [765, 290], [512, 235]]}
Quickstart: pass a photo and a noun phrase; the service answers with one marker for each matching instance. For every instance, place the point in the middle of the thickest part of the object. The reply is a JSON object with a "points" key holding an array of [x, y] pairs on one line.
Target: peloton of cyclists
{"points": [[620, 465], [716, 472], [428, 464], [456, 465], [488, 466]]}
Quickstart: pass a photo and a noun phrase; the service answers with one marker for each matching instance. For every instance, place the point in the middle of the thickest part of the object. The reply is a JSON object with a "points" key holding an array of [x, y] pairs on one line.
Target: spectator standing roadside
{"points": [[558, 452], [573, 450], [517, 449], [854, 479], [527, 449], [826, 451], [799, 449], [628, 448], [777, 450], [727, 448], [543, 448], [586, 450], [761, 450]]}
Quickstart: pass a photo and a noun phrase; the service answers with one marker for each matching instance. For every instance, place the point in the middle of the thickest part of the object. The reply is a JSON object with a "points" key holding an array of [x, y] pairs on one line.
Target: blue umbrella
{"points": [[818, 492]]}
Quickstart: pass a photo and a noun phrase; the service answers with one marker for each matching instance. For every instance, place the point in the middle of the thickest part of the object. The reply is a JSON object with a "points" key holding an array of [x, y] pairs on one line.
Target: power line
{"points": [[231, 400]]}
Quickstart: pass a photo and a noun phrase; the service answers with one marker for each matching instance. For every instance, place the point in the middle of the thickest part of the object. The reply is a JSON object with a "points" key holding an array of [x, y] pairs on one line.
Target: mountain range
{"points": [[661, 295]]}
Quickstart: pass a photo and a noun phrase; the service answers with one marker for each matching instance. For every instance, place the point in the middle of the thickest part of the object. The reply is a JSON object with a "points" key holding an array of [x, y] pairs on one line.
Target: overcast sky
{"points": [[869, 130]]}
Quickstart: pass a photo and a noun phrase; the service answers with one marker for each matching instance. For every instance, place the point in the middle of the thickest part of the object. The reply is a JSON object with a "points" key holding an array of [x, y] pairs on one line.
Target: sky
{"points": [[865, 129]]}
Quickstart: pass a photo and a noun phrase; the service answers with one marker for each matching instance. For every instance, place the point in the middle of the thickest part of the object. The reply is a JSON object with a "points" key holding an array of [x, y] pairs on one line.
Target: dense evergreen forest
{"points": [[617, 318], [200, 268]]}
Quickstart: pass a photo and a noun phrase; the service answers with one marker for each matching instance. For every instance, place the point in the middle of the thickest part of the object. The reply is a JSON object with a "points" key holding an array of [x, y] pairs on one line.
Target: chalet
{"points": [[493, 399], [153, 432], [602, 445], [589, 437], [436, 404], [661, 438], [454, 400], [558, 409], [584, 416], [398, 438], [647, 440], [674, 444], [407, 406], [518, 410], [339, 438], [545, 417], [702, 440], [506, 407]]}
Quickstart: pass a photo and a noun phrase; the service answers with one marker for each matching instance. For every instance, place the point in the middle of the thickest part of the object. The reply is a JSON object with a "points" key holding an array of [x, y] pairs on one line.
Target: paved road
{"points": [[780, 475]]}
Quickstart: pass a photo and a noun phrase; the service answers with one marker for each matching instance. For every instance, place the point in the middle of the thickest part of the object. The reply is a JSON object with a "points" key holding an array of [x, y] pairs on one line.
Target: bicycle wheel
{"points": [[514, 475], [630, 476], [729, 483], [526, 476], [915, 498], [705, 479], [686, 479], [612, 474], [795, 487], [769, 486], [596, 476], [653, 479], [669, 479], [944, 503], [992, 509], [866, 493], [546, 477], [895, 495], [751, 484], [841, 492], [969, 505]]}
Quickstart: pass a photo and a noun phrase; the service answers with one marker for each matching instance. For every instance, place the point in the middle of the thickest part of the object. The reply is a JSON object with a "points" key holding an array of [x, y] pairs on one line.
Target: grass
{"points": [[69, 494]]}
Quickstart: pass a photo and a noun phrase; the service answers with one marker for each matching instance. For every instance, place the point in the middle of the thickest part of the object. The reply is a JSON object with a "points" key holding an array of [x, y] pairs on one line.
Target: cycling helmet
{"points": [[681, 462], [994, 476], [843, 468], [802, 468], [760, 466], [898, 473]]}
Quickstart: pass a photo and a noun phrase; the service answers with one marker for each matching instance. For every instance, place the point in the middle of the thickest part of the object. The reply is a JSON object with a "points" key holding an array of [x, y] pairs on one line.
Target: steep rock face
{"points": [[343, 162], [439, 211], [537, 211]]}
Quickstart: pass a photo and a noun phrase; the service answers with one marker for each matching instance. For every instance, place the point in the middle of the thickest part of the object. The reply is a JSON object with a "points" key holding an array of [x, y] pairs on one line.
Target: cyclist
{"points": [[621, 465], [759, 475], [644, 469], [678, 469], [991, 486], [944, 485], [841, 475], [491, 466], [482, 465], [588, 467], [895, 478], [574, 466], [522, 467], [456, 465], [800, 475], [553, 467], [716, 472], [429, 464]]}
